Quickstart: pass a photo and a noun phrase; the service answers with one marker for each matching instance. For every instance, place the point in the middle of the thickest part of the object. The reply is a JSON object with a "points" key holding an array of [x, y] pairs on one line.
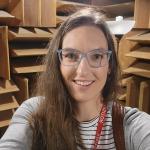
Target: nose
{"points": [[83, 67]]}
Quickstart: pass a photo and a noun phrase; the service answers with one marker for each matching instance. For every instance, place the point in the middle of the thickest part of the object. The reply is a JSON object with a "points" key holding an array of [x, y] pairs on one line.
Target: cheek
{"points": [[63, 72], [102, 72], [66, 73], [101, 75]]}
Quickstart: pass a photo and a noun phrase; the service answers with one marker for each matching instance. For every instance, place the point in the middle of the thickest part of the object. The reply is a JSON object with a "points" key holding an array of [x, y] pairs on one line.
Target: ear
{"points": [[109, 70]]}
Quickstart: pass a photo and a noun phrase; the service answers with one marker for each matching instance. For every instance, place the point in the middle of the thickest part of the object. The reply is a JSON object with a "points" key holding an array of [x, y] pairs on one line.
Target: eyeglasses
{"points": [[95, 58]]}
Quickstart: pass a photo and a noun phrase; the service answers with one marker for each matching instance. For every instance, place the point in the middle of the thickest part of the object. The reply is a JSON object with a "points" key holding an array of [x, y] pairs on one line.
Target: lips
{"points": [[83, 83]]}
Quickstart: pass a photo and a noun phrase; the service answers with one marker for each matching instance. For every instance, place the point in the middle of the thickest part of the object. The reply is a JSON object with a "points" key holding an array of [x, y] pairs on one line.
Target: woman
{"points": [[74, 109]]}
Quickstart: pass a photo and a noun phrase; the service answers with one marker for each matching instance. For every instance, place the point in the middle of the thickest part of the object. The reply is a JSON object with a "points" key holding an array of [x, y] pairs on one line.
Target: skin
{"points": [[88, 98]]}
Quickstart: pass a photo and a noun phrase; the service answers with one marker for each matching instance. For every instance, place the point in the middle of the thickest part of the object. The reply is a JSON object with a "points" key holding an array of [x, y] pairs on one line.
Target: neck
{"points": [[88, 110]]}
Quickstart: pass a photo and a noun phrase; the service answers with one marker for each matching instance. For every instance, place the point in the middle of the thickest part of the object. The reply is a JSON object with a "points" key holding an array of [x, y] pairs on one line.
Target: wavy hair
{"points": [[54, 124]]}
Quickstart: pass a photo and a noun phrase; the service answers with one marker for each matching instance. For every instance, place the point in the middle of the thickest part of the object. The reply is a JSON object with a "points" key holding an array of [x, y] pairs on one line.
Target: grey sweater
{"points": [[18, 136]]}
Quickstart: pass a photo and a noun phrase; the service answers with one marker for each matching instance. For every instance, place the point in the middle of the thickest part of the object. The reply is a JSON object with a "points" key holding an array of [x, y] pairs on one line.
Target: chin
{"points": [[81, 98]]}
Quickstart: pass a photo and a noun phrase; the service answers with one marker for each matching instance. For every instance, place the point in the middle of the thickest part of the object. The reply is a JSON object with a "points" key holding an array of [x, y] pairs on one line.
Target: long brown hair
{"points": [[54, 124]]}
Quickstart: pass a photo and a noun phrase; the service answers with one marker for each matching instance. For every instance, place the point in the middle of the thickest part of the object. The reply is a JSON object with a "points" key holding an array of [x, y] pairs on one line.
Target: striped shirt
{"points": [[88, 132]]}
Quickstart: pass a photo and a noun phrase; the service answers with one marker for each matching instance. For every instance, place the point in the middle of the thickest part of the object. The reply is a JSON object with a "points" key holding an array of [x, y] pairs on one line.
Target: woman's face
{"points": [[85, 83]]}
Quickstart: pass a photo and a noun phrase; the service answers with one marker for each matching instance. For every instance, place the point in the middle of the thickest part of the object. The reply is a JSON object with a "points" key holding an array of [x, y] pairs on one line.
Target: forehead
{"points": [[85, 38]]}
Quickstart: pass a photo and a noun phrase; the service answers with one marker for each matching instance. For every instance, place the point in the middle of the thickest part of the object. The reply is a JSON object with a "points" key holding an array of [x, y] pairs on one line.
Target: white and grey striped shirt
{"points": [[88, 132]]}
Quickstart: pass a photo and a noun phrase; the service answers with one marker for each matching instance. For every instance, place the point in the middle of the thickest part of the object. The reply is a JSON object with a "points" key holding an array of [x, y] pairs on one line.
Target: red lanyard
{"points": [[100, 125]]}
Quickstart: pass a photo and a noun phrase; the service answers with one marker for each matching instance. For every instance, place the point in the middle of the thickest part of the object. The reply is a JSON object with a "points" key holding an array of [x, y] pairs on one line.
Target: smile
{"points": [[83, 83]]}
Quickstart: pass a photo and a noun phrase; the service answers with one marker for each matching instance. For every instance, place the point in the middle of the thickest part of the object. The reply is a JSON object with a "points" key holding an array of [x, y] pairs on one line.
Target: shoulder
{"points": [[32, 103], [26, 109], [136, 120], [137, 129], [22, 139], [134, 115]]}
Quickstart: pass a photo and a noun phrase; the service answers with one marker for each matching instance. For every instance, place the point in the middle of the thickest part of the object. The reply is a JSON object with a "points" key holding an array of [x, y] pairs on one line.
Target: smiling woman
{"points": [[86, 77], [75, 109]]}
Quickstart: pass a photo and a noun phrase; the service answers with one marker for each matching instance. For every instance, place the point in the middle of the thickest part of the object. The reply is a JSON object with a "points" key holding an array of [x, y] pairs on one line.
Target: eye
{"points": [[70, 56], [97, 56]]}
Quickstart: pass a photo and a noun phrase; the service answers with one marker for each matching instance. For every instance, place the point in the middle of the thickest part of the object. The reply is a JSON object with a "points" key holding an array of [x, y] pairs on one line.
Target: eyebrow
{"points": [[101, 49]]}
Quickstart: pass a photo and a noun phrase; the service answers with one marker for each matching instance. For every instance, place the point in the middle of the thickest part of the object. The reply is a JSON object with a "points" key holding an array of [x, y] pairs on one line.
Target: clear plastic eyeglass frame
{"points": [[88, 56]]}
